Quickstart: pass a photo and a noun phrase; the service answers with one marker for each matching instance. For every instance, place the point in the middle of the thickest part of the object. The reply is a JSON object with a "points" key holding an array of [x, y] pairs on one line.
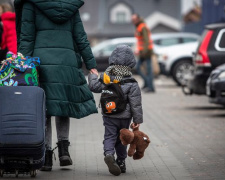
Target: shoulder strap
{"points": [[128, 81], [123, 81]]}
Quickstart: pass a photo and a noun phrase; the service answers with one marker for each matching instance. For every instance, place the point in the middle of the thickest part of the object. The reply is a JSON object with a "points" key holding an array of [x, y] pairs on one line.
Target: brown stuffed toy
{"points": [[138, 141]]}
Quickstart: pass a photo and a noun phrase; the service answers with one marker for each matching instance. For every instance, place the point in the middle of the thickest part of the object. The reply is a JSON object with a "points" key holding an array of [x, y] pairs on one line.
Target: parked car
{"points": [[175, 55], [209, 55], [162, 42], [103, 50], [215, 88]]}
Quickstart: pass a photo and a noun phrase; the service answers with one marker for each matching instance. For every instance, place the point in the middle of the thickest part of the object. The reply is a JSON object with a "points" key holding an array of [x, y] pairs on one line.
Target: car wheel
{"points": [[181, 71]]}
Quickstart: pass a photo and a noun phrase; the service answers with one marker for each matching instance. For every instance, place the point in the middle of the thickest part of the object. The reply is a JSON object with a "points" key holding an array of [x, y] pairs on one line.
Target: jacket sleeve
{"points": [[82, 43], [135, 101], [95, 84], [27, 34]]}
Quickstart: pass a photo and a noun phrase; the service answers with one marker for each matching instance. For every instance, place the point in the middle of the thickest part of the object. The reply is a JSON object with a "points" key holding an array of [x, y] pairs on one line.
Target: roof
{"points": [[157, 17], [157, 14], [215, 26]]}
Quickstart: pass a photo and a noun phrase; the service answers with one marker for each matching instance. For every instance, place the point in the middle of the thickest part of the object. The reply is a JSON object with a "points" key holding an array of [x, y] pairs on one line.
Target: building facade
{"points": [[105, 19]]}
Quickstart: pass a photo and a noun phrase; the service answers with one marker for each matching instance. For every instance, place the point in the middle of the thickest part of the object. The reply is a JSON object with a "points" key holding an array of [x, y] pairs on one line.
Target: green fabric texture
{"points": [[53, 31]]}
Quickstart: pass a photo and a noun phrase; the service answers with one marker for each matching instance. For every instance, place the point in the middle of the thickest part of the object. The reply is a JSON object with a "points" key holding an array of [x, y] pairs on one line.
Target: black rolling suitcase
{"points": [[22, 130]]}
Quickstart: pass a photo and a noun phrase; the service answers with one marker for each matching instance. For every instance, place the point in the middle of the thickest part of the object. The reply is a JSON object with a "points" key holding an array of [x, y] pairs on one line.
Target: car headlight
{"points": [[162, 57], [222, 75]]}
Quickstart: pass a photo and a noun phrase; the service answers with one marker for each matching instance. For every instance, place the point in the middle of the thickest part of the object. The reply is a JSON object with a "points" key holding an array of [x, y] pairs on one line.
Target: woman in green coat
{"points": [[53, 31]]}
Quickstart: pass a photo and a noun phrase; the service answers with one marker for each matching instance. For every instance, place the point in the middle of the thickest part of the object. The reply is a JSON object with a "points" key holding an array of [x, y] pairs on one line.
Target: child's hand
{"points": [[134, 125], [94, 71]]}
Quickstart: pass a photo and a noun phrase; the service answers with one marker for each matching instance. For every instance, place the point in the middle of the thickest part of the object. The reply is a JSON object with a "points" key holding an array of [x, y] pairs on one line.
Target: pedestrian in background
{"points": [[8, 27], [144, 51], [53, 31]]}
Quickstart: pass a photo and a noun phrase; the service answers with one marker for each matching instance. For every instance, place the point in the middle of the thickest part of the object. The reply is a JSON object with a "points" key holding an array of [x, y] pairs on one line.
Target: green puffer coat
{"points": [[53, 31]]}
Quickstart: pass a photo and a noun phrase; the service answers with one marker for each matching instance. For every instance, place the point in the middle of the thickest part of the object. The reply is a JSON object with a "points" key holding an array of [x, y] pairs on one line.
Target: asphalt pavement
{"points": [[187, 141]]}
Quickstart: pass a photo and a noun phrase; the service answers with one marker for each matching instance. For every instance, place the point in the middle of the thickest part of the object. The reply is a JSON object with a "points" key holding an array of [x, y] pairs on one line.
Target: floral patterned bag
{"points": [[19, 71]]}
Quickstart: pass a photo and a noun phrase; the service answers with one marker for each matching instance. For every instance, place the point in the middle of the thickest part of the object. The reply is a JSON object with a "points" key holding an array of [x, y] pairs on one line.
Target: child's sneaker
{"points": [[112, 165], [122, 165]]}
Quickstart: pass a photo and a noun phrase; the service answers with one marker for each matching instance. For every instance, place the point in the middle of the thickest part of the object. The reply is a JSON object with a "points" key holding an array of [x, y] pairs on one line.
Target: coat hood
{"points": [[8, 16], [122, 55], [58, 11]]}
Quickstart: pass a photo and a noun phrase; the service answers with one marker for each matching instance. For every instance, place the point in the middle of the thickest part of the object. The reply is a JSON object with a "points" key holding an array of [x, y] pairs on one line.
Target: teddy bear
{"points": [[138, 141]]}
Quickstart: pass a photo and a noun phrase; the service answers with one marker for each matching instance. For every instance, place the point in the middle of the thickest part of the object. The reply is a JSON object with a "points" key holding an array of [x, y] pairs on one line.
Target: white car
{"points": [[165, 45], [176, 58]]}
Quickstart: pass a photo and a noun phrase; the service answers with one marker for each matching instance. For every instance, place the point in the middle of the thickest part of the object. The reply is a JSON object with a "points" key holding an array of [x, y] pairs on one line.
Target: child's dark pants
{"points": [[112, 141]]}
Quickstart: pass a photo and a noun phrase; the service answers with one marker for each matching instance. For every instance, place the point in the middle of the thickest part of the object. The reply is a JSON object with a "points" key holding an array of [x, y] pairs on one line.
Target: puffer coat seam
{"points": [[54, 48], [56, 2], [43, 82], [68, 101], [54, 30], [84, 49], [60, 65]]}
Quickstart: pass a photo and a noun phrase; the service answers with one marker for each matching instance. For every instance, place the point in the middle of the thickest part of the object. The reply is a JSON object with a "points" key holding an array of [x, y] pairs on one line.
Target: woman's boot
{"points": [[64, 156], [48, 161]]}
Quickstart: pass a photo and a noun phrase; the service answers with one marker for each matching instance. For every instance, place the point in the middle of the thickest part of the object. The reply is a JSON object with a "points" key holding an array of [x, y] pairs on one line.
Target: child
{"points": [[121, 62]]}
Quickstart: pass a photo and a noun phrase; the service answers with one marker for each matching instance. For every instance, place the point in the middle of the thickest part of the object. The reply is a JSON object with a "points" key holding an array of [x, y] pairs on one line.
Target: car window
{"points": [[110, 48], [107, 50], [220, 41], [167, 41], [187, 40], [157, 42], [99, 47], [132, 45]]}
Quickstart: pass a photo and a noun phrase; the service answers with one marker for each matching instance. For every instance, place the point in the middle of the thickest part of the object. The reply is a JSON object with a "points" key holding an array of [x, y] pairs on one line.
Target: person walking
{"points": [[53, 31], [121, 62], [144, 51]]}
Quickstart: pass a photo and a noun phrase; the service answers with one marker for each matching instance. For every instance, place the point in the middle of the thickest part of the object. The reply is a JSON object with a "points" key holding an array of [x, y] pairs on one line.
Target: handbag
{"points": [[19, 71], [155, 65]]}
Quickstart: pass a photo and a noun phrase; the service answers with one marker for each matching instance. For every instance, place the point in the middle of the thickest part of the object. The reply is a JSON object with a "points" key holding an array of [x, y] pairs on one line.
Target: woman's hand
{"points": [[94, 71], [134, 125]]}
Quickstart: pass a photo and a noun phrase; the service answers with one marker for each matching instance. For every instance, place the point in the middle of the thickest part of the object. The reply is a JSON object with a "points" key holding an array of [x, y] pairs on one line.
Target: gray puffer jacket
{"points": [[122, 55]]}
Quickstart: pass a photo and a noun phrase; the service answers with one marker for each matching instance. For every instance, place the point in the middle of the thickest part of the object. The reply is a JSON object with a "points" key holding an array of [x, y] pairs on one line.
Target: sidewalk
{"points": [[187, 134]]}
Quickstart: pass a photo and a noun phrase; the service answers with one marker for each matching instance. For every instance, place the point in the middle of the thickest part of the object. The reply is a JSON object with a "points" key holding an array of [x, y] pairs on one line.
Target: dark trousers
{"points": [[148, 78], [112, 141]]}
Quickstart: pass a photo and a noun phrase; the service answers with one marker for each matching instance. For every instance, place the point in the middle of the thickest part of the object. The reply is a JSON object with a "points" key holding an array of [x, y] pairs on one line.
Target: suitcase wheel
{"points": [[1, 172], [33, 173]]}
